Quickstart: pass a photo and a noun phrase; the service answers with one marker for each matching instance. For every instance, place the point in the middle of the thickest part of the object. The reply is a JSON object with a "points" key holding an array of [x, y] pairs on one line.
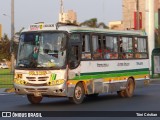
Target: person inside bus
{"points": [[106, 52], [124, 56], [34, 57]]}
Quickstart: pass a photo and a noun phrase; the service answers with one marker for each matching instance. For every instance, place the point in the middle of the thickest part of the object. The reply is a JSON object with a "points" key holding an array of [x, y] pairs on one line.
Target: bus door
{"points": [[74, 50], [74, 56]]}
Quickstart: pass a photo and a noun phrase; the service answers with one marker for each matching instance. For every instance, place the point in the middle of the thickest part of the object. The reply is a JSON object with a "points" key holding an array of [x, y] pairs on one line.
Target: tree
{"points": [[5, 50], [93, 23], [19, 32], [5, 37]]}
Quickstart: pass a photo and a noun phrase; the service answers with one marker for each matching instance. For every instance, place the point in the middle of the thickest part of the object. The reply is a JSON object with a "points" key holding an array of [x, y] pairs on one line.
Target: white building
{"points": [[70, 16]]}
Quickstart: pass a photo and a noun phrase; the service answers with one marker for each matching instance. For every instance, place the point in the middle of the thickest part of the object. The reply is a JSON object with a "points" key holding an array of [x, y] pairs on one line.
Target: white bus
{"points": [[78, 62]]}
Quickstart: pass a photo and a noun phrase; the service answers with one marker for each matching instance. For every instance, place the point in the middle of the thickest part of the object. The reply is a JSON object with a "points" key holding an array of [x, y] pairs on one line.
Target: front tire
{"points": [[79, 94], [34, 100]]}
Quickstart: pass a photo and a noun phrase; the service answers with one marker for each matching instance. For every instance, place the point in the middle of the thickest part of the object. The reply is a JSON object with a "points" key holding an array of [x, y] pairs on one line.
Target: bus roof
{"points": [[74, 29]]}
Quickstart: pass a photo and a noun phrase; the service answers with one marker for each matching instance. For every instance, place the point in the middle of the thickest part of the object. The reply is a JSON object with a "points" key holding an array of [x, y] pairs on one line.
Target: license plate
{"points": [[37, 94]]}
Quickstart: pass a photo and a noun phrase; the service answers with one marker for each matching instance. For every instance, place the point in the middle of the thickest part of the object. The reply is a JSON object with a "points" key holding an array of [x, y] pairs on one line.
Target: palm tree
{"points": [[93, 23], [90, 23], [19, 32], [102, 25]]}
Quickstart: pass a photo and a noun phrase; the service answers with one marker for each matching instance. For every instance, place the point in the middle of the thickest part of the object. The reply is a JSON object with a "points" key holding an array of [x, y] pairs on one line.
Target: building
{"points": [[129, 8], [117, 25], [70, 16], [130, 13], [0, 32], [157, 13], [67, 17]]}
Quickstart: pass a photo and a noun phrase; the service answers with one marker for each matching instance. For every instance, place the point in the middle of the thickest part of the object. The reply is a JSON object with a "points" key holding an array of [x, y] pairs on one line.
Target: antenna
{"points": [[61, 16], [61, 7]]}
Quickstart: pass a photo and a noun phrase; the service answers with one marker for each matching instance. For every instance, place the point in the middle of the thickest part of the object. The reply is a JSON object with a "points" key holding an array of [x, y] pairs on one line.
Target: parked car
{"points": [[4, 66]]}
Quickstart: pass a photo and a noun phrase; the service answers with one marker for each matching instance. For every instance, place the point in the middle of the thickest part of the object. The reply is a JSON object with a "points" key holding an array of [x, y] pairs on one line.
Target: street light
{"points": [[12, 36]]}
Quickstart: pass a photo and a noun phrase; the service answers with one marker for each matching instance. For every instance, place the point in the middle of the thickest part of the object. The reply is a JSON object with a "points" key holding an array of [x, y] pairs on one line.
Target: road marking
{"points": [[3, 94], [7, 93]]}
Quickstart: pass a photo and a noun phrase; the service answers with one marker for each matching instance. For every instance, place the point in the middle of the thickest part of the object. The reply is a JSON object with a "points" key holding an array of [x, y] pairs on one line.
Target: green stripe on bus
{"points": [[95, 75], [120, 71]]}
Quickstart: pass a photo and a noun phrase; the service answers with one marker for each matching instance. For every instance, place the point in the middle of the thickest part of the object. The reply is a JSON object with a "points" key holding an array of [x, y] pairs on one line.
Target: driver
{"points": [[47, 48]]}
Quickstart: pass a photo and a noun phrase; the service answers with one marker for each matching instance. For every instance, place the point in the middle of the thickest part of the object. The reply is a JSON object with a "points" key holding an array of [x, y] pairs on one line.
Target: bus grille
{"points": [[30, 84], [40, 79], [32, 90]]}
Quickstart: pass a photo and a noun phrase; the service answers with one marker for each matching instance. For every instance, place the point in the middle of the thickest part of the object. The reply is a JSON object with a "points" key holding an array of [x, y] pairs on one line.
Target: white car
{"points": [[4, 66]]}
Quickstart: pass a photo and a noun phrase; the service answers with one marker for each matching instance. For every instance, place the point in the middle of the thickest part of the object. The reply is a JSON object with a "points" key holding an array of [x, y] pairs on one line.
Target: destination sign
{"points": [[36, 27]]}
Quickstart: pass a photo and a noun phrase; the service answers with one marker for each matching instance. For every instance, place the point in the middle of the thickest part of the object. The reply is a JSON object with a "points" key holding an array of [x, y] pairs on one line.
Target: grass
{"points": [[5, 71], [6, 78]]}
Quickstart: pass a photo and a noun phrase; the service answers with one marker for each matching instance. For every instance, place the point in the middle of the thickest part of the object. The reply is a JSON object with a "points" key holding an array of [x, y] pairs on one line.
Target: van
{"points": [[3, 66]]}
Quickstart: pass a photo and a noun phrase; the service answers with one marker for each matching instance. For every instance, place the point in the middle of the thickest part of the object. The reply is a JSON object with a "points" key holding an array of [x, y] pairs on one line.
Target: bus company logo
{"points": [[37, 72], [17, 114], [6, 114]]}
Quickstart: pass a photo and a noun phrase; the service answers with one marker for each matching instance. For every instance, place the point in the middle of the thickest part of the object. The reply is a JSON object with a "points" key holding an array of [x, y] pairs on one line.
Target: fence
{"points": [[6, 80]]}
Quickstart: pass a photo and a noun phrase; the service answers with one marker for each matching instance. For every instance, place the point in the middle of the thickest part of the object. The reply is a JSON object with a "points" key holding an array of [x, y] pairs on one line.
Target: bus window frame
{"points": [[114, 36], [147, 48], [90, 34], [101, 45], [70, 45], [90, 44], [120, 53]]}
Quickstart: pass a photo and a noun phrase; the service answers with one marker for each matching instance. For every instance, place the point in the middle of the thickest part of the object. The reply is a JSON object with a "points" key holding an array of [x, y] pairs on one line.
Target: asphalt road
{"points": [[144, 99]]}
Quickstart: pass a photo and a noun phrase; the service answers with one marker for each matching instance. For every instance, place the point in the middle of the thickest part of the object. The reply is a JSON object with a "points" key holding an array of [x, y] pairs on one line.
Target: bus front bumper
{"points": [[57, 90]]}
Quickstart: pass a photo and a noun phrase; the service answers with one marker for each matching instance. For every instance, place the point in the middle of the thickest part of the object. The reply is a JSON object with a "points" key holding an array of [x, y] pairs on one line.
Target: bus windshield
{"points": [[42, 50]]}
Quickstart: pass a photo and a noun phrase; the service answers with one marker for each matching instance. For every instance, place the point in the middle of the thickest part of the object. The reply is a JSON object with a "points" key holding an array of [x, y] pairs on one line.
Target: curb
{"points": [[9, 90]]}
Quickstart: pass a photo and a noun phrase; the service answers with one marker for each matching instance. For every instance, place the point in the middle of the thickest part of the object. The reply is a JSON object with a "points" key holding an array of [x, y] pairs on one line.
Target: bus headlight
{"points": [[21, 82], [57, 82]]}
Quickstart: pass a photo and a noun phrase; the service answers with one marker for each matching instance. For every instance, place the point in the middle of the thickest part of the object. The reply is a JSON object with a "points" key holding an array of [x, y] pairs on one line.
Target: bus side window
{"points": [[126, 47], [97, 47], [110, 47], [86, 51], [141, 48]]}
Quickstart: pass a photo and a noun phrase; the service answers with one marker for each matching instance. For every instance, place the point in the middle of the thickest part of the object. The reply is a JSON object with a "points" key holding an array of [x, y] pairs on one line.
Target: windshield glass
{"points": [[42, 49]]}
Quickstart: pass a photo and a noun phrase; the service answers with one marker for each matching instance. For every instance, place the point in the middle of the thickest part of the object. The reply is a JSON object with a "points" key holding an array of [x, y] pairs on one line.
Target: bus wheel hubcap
{"points": [[78, 92]]}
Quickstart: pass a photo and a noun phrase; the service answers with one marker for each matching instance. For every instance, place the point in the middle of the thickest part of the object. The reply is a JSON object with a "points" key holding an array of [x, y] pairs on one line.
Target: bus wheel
{"points": [[92, 95], [78, 96], [34, 100], [129, 88], [121, 93]]}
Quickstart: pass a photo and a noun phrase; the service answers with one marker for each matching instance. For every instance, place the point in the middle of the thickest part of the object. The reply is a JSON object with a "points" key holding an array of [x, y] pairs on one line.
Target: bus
{"points": [[60, 60]]}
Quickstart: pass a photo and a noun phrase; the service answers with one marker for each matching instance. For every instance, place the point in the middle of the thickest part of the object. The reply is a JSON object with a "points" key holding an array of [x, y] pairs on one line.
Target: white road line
{"points": [[7, 93]]}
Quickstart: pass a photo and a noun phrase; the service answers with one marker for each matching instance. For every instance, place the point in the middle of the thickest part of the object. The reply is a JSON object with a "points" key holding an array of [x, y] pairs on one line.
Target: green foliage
{"points": [[5, 37], [93, 23], [5, 51], [5, 71]]}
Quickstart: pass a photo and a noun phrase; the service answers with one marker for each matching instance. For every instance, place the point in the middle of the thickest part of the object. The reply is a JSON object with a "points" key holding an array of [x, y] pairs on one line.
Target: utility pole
{"points": [[150, 27], [12, 36], [137, 7], [61, 12]]}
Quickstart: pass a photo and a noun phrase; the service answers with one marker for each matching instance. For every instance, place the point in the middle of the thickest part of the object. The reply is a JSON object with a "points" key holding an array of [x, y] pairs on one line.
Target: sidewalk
{"points": [[2, 90]]}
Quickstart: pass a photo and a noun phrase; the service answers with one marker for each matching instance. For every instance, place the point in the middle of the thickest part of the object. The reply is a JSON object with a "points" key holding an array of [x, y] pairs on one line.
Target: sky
{"points": [[32, 11]]}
